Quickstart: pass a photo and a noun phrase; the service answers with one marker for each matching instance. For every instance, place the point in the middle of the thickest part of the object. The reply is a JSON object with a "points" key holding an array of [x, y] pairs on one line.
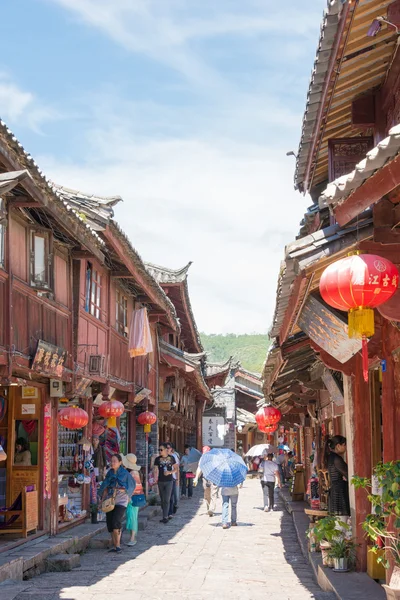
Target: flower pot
{"points": [[340, 564], [94, 520], [391, 593], [327, 561], [374, 569], [393, 589]]}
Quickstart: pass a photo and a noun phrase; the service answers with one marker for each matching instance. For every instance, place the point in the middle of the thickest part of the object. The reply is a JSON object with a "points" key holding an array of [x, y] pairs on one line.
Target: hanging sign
{"points": [[49, 359], [213, 431], [47, 451]]}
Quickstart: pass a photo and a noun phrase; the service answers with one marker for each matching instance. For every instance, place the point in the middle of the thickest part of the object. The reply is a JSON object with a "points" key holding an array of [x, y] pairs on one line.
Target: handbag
{"points": [[189, 475], [139, 500], [109, 503]]}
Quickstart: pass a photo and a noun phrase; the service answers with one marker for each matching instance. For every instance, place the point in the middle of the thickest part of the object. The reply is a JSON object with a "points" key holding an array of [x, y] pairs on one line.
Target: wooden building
{"points": [[184, 392], [348, 161]]}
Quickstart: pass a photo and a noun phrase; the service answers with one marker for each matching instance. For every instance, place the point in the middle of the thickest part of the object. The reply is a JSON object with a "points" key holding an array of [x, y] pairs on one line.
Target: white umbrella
{"points": [[261, 449]]}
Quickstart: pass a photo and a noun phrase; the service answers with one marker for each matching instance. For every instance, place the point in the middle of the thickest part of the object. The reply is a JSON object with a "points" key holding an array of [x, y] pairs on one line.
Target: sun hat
{"points": [[129, 461]]}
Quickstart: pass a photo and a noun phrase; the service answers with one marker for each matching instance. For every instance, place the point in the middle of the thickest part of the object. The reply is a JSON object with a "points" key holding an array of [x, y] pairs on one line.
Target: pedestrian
{"points": [[173, 507], [138, 498], [229, 495], [210, 490], [269, 474], [187, 474], [338, 499], [281, 461], [119, 485], [164, 467]]}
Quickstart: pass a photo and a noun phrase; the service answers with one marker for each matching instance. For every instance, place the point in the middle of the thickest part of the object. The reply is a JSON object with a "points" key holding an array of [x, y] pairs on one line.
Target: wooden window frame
{"points": [[93, 290], [47, 283], [121, 313]]}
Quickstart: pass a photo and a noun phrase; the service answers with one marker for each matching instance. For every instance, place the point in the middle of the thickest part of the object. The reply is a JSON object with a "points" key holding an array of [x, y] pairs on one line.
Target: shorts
{"points": [[114, 517]]}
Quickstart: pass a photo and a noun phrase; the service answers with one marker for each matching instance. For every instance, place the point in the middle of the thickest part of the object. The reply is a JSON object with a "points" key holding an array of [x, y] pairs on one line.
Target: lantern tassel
{"points": [[361, 322], [365, 357]]}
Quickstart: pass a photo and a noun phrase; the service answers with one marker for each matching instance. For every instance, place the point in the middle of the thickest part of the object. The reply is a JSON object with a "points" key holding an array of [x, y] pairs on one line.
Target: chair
{"points": [[22, 516]]}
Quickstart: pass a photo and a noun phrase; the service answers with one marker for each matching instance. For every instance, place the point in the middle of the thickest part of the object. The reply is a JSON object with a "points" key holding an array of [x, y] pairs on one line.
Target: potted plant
{"points": [[383, 523], [94, 509], [342, 553], [325, 531]]}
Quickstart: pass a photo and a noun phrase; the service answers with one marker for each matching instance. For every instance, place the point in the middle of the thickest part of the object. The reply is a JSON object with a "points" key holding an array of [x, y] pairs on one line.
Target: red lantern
{"points": [[147, 419], [268, 428], [111, 408], [358, 284], [268, 416], [73, 417]]}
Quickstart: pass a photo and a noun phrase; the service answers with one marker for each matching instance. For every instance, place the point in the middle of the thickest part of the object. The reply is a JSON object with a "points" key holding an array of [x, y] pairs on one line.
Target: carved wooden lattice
{"points": [[346, 153]]}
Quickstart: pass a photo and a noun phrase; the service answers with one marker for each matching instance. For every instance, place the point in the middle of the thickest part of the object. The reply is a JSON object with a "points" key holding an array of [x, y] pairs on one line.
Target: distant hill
{"points": [[250, 349]]}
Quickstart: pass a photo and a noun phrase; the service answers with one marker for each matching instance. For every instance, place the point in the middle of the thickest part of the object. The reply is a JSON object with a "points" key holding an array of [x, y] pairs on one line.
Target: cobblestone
{"points": [[193, 558]]}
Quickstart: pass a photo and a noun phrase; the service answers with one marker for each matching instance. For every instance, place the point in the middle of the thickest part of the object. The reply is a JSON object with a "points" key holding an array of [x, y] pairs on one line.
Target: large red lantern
{"points": [[268, 428], [147, 419], [73, 417], [110, 410], [358, 284], [268, 416]]}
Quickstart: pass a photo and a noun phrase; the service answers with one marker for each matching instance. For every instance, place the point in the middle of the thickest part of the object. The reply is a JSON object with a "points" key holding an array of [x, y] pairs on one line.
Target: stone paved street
{"points": [[193, 557]]}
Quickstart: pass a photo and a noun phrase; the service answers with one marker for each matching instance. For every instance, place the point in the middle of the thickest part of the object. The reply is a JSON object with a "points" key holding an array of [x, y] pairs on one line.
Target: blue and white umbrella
{"points": [[283, 447], [223, 467]]}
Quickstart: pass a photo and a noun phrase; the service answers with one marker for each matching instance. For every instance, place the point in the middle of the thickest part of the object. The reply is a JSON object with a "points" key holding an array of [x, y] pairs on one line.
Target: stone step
{"points": [[63, 562], [150, 512], [10, 589], [100, 542], [142, 524]]}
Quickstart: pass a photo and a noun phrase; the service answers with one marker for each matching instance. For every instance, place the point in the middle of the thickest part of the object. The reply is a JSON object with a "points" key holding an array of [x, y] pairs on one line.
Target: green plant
{"points": [[94, 508], [384, 521], [152, 500], [328, 529], [342, 549]]}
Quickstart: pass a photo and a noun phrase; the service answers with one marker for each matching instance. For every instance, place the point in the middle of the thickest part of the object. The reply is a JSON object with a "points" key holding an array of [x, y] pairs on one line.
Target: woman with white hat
{"points": [[138, 499]]}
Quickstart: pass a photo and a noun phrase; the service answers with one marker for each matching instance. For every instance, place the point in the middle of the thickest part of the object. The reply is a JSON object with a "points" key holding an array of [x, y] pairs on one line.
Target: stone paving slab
{"points": [[193, 558]]}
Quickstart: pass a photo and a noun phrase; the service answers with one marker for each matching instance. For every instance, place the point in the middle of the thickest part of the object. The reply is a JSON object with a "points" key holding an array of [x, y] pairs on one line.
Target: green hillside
{"points": [[250, 349]]}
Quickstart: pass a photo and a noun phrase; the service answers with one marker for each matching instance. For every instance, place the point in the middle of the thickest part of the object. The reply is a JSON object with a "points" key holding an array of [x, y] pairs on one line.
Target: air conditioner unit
{"points": [[56, 388], [96, 364]]}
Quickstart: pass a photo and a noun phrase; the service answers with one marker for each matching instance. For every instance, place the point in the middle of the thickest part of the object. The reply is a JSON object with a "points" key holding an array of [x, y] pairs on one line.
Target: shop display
{"points": [[71, 468]]}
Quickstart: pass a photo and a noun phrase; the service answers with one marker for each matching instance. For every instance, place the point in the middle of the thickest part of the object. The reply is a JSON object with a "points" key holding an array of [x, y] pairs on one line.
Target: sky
{"points": [[186, 109]]}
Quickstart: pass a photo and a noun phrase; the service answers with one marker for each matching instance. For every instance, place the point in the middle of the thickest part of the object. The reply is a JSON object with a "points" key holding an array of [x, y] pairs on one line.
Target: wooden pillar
{"points": [[358, 434]]}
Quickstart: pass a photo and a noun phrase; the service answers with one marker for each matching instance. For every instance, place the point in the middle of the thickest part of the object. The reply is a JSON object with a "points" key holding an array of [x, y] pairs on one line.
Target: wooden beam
{"points": [[23, 202], [121, 275], [82, 254], [372, 190]]}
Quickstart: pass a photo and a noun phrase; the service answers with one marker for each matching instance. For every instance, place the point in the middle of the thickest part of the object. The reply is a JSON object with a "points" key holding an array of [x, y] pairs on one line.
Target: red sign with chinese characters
{"points": [[49, 359], [47, 451]]}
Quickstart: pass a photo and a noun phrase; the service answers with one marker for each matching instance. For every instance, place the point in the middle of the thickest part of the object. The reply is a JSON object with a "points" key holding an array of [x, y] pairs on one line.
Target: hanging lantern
{"points": [[358, 284], [110, 410], [268, 428], [147, 419], [268, 416], [73, 417]]}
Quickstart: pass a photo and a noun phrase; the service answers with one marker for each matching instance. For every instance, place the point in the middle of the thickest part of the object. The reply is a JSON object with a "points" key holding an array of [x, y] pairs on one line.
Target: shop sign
{"points": [[28, 409], [29, 392], [49, 359], [213, 431], [47, 451], [81, 388]]}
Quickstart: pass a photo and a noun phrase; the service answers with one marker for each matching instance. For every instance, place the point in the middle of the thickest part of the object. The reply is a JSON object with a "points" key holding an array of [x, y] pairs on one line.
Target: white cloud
{"points": [[22, 107], [229, 208]]}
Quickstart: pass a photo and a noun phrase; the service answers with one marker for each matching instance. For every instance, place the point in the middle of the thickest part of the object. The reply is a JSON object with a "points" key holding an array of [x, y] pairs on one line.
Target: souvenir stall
{"points": [[73, 452]]}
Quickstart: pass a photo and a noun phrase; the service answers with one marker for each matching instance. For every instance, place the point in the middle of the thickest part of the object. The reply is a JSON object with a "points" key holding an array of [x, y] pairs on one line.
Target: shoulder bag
{"points": [[109, 503]]}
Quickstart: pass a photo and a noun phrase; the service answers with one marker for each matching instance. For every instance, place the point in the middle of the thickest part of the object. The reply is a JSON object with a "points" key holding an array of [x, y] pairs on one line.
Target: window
{"points": [[121, 316], [93, 291], [40, 259]]}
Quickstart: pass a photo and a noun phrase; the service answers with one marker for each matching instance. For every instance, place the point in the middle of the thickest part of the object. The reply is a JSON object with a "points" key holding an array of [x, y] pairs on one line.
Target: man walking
{"points": [[175, 486], [269, 474]]}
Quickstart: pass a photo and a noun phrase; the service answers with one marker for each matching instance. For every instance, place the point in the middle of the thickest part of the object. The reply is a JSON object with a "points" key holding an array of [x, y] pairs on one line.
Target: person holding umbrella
{"points": [[210, 490], [227, 470]]}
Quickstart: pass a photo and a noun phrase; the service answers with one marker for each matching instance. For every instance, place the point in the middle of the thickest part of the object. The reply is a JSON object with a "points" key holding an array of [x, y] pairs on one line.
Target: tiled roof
{"points": [[164, 275], [98, 209], [213, 369], [10, 179], [326, 42], [309, 250], [384, 152], [43, 183]]}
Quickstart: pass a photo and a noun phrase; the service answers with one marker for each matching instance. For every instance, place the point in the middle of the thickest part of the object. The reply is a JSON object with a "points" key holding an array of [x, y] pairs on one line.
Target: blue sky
{"points": [[186, 108]]}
